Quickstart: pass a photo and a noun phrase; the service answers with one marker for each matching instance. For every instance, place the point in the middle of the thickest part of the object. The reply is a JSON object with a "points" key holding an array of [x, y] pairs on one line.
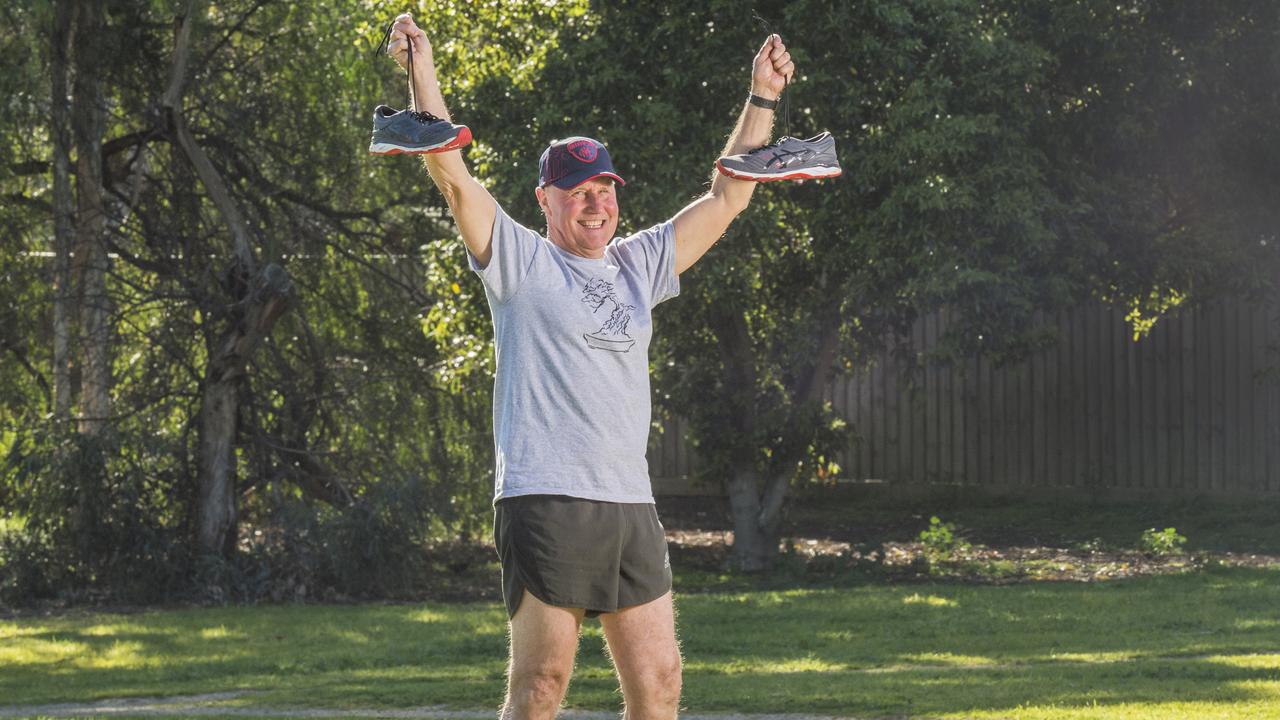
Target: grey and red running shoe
{"points": [[787, 159], [414, 133]]}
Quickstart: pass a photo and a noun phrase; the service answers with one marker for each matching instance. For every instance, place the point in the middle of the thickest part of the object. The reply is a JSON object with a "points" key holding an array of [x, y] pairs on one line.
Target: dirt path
{"points": [[213, 704]]}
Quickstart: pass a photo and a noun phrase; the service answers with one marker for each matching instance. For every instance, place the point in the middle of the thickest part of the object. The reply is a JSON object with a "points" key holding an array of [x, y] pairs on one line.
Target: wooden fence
{"points": [[1192, 408]]}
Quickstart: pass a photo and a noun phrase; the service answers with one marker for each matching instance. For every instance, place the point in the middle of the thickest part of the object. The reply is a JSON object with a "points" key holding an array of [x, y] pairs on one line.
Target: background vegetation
{"points": [[241, 359]]}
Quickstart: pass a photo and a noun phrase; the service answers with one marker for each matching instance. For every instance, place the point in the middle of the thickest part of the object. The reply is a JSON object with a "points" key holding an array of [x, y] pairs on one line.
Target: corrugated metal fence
{"points": [[1191, 408]]}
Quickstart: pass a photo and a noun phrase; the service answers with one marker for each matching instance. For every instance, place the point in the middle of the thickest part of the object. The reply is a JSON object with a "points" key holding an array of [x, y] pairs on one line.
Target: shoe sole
{"points": [[816, 173], [462, 139]]}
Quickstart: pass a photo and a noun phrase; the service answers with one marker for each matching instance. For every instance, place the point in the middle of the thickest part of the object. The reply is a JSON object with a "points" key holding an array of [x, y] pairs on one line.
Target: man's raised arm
{"points": [[472, 206], [703, 221]]}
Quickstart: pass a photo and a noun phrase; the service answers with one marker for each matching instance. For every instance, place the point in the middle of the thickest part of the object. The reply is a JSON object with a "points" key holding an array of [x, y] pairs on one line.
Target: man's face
{"points": [[581, 220]]}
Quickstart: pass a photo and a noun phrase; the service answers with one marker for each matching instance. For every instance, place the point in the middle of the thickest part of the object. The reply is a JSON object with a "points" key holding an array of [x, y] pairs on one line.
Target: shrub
{"points": [[94, 524], [301, 550], [1162, 542], [941, 541]]}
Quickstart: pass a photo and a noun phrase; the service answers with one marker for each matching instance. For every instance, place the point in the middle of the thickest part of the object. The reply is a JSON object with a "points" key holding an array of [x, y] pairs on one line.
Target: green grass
{"points": [[1203, 644]]}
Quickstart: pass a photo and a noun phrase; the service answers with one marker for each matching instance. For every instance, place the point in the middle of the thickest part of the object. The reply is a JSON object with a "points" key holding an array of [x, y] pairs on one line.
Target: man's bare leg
{"points": [[544, 640], [642, 642]]}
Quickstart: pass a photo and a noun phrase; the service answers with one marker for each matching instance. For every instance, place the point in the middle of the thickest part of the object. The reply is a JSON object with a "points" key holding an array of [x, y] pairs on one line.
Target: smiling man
{"points": [[574, 519]]}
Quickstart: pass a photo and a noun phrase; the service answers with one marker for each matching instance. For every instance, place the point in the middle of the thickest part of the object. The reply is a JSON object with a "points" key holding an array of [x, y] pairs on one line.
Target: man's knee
{"points": [[540, 687], [660, 684], [669, 680]]}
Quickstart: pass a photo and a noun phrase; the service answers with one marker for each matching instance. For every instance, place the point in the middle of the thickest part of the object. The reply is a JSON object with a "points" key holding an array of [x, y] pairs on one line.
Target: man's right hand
{"points": [[472, 206], [403, 32]]}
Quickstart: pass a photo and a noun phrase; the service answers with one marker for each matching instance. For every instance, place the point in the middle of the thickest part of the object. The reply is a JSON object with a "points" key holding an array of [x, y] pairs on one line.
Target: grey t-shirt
{"points": [[571, 398]]}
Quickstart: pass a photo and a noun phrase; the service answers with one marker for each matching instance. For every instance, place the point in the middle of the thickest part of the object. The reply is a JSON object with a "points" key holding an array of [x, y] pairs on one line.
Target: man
{"points": [[574, 518]]}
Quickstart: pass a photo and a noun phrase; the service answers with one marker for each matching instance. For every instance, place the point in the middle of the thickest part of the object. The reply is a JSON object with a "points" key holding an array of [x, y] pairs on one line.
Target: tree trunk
{"points": [[756, 502], [88, 120], [754, 545], [63, 209], [216, 501], [267, 298]]}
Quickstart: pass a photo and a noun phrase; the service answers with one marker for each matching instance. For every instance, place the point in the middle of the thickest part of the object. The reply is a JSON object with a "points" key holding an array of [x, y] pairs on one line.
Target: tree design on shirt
{"points": [[611, 336]]}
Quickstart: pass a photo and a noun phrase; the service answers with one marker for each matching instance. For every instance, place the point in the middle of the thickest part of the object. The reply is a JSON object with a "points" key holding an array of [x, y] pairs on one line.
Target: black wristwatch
{"points": [[762, 102]]}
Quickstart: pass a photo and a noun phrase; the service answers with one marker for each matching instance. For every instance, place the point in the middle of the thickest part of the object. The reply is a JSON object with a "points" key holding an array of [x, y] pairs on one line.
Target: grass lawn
{"points": [[1201, 644]]}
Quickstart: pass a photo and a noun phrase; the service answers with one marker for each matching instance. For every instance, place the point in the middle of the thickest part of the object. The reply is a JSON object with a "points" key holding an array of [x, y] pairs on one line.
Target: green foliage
{"points": [[1153, 120], [97, 518], [941, 541], [377, 548], [1000, 158], [1162, 542], [345, 419]]}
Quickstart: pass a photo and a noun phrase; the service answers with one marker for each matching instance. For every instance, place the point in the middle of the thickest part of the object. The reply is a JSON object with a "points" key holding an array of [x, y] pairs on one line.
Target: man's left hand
{"points": [[772, 69]]}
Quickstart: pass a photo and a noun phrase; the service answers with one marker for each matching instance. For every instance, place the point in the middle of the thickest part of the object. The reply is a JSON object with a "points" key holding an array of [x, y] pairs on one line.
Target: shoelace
{"points": [[786, 105], [421, 116]]}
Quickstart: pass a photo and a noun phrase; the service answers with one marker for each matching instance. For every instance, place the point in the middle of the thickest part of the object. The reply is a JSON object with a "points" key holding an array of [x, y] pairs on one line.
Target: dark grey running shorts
{"points": [[576, 553]]}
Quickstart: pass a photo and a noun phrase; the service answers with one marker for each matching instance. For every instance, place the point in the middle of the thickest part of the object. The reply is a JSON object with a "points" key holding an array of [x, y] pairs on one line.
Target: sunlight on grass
{"points": [[111, 629], [354, 636], [428, 616], [950, 660], [779, 666], [771, 598], [1269, 661], [1096, 657], [930, 600], [121, 654], [219, 633], [411, 672], [40, 652], [1256, 624]]}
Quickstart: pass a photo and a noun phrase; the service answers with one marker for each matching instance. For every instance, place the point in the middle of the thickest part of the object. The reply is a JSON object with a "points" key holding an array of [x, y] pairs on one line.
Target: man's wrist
{"points": [[765, 93], [762, 102]]}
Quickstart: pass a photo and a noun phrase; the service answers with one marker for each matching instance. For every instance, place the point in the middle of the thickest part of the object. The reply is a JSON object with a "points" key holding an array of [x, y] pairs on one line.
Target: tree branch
{"points": [[226, 37], [209, 177], [127, 142], [29, 167], [811, 383], [34, 372], [21, 199], [308, 472], [734, 340]]}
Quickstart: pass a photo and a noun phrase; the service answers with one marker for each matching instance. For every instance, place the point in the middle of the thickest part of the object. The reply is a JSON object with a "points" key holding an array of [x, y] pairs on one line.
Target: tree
{"points": [[1000, 157], [942, 198], [968, 186], [1155, 122], [223, 187]]}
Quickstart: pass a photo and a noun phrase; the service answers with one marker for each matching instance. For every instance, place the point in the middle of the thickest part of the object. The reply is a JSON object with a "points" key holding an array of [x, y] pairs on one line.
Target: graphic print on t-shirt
{"points": [[612, 335]]}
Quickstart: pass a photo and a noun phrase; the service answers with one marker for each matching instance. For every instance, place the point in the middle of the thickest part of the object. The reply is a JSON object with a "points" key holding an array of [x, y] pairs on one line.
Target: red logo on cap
{"points": [[584, 150]]}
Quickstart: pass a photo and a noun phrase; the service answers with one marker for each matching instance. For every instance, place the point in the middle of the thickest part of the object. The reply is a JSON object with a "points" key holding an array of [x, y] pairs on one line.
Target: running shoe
{"points": [[414, 133], [787, 159]]}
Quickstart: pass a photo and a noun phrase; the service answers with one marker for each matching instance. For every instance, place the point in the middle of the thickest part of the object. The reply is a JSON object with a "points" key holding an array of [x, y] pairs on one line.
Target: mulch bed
{"points": [[699, 531]]}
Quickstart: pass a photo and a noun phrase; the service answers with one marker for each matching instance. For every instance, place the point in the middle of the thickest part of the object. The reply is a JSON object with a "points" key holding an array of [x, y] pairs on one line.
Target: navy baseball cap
{"points": [[572, 161]]}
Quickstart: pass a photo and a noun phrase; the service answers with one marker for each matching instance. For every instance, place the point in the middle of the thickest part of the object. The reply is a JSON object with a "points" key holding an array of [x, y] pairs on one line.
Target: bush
{"points": [[25, 570], [941, 541], [106, 519], [375, 548], [93, 526], [1162, 543]]}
